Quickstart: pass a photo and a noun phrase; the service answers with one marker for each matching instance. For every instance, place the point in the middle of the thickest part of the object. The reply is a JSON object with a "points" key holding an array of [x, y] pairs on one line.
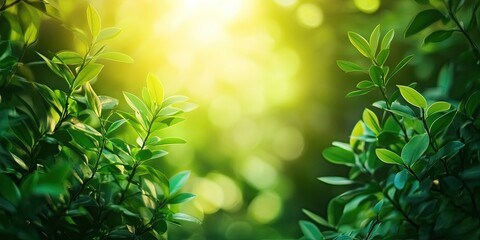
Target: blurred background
{"points": [[269, 92]]}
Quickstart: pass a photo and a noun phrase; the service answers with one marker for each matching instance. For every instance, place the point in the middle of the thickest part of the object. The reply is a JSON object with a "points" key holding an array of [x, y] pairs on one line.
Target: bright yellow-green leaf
{"points": [[374, 39], [356, 133], [388, 156], [94, 21], [438, 107], [412, 96], [359, 43], [387, 39], [30, 35], [155, 89], [116, 56], [371, 120]]}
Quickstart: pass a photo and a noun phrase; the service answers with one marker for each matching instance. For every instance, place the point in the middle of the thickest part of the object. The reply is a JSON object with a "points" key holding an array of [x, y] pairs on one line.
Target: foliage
{"points": [[65, 172], [413, 157]]}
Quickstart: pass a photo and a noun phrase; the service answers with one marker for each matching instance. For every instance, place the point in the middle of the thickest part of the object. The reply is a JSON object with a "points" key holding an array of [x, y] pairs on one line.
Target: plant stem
{"points": [[6, 6], [425, 126], [382, 90], [474, 46], [370, 231]]}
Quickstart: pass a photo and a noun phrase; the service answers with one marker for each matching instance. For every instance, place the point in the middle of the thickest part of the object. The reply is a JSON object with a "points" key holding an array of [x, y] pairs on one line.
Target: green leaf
{"points": [[177, 181], [357, 93], [400, 179], [9, 190], [387, 39], [442, 123], [438, 36], [143, 155], [68, 57], [171, 140], [357, 132], [448, 151], [92, 99], [359, 43], [374, 39], [365, 84], [401, 65], [107, 33], [388, 156], [30, 35], [184, 217], [116, 56], [382, 56], [378, 207], [137, 105], [472, 104], [88, 73], [310, 231], [414, 149], [317, 218], [437, 107], [336, 180], [371, 120], [181, 197], [155, 89], [348, 66], [422, 20], [174, 99], [94, 21], [338, 155], [412, 96], [376, 75], [115, 125], [107, 102]]}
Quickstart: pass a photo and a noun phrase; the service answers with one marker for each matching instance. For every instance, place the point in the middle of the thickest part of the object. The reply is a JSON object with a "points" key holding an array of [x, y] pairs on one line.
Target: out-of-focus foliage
{"points": [[414, 165], [65, 172]]}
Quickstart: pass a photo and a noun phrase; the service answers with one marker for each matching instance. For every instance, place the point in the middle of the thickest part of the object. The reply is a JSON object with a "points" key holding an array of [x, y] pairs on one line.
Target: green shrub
{"points": [[65, 172], [413, 158]]}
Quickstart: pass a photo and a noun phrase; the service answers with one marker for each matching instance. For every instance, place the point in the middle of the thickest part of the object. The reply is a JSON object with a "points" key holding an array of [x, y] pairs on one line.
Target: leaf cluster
{"points": [[413, 160], [65, 172]]}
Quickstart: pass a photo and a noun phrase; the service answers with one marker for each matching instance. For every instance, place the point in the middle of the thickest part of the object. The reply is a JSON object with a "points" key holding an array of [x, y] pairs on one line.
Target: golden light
{"points": [[367, 6]]}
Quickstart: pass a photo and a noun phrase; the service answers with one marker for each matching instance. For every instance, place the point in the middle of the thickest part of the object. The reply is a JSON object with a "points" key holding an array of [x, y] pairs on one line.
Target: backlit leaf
{"points": [[88, 73], [348, 66], [155, 89], [176, 182], [94, 21], [116, 56], [388, 156], [374, 40], [412, 96], [108, 33], [359, 43], [437, 107], [182, 197], [339, 156], [371, 120], [387, 39]]}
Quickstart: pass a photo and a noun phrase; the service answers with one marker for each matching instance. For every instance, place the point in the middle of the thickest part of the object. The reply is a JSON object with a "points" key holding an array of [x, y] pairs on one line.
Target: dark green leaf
{"points": [[472, 104], [400, 179], [422, 20], [310, 230], [378, 207], [339, 156], [317, 218], [376, 75], [438, 36], [442, 123], [382, 56], [414, 149], [143, 155], [9, 190]]}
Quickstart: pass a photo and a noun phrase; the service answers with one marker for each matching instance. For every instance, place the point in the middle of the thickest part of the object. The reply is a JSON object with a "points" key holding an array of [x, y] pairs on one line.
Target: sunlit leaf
{"points": [[374, 40], [387, 39], [94, 21], [92, 99], [348, 66], [359, 43], [116, 56], [371, 120], [68, 57], [115, 125], [88, 73], [437, 107], [182, 197], [155, 89], [388, 156], [359, 92], [412, 96], [108, 33], [184, 217]]}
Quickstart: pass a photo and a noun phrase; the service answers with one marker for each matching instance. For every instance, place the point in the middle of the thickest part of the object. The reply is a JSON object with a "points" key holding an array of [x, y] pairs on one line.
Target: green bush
{"points": [[413, 158], [65, 172]]}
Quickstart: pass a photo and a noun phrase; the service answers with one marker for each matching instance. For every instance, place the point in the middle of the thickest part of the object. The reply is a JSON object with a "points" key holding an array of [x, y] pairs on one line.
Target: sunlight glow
{"points": [[265, 207], [309, 15], [367, 6]]}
